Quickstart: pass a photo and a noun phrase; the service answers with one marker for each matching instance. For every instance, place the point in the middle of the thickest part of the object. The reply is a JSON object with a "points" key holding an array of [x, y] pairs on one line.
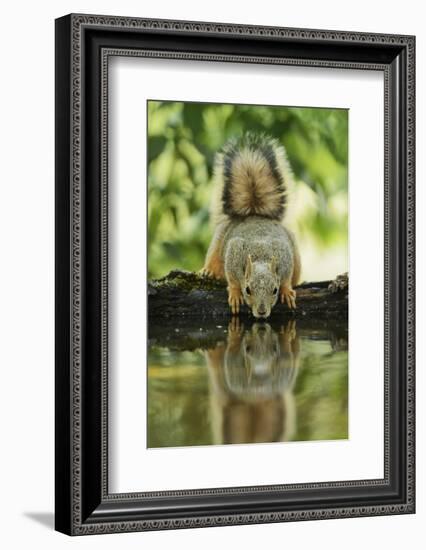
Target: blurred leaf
{"points": [[156, 145]]}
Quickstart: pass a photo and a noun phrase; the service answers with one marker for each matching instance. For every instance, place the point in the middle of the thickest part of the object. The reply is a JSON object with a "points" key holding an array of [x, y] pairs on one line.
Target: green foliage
{"points": [[321, 393], [182, 141]]}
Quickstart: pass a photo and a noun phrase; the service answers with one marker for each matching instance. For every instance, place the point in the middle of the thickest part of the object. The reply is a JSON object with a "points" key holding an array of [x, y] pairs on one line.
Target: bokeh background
{"points": [[182, 141]]}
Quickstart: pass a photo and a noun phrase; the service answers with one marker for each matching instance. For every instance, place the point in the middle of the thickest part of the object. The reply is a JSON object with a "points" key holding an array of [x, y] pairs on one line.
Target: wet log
{"points": [[183, 294], [188, 334]]}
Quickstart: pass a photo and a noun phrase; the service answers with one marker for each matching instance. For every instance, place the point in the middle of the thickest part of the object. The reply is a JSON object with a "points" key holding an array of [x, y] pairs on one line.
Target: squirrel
{"points": [[252, 375], [251, 249]]}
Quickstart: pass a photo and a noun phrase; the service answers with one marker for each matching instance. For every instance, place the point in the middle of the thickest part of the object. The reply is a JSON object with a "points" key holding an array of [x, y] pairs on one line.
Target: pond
{"points": [[221, 383]]}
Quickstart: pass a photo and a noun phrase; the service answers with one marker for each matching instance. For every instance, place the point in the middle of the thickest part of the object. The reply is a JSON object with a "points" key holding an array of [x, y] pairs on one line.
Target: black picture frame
{"points": [[83, 45]]}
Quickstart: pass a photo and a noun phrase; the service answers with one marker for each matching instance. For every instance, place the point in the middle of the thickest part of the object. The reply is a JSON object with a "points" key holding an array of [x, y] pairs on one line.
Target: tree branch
{"points": [[188, 334], [183, 294]]}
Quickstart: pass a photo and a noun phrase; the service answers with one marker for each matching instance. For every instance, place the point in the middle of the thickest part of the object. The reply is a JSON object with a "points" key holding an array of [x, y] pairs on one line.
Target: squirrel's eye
{"points": [[275, 290], [248, 290]]}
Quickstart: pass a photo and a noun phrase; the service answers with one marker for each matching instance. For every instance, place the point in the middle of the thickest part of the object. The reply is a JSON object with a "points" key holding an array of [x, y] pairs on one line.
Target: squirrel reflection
{"points": [[252, 376]]}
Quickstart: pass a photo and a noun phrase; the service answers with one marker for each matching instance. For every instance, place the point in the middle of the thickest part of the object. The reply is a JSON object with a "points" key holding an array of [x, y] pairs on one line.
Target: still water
{"points": [[247, 383]]}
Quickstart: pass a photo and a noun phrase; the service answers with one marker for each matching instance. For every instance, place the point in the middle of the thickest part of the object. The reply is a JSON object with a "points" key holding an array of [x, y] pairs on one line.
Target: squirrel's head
{"points": [[261, 287]]}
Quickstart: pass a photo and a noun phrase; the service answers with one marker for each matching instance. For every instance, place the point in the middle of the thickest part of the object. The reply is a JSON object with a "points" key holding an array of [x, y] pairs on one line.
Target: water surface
{"points": [[247, 383]]}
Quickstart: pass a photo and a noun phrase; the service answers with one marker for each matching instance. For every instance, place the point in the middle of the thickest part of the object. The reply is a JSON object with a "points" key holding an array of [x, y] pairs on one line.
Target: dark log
{"points": [[183, 294], [188, 334]]}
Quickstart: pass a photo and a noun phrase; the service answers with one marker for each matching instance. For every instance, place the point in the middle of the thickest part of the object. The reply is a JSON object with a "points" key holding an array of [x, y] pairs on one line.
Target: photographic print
{"points": [[248, 274], [207, 204]]}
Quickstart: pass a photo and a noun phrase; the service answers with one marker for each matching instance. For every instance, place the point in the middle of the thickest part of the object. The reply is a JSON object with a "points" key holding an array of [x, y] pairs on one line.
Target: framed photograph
{"points": [[217, 189]]}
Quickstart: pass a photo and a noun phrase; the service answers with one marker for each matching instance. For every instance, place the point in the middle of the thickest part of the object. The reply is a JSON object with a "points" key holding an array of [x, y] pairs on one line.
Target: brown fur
{"points": [[254, 188], [252, 177], [246, 184]]}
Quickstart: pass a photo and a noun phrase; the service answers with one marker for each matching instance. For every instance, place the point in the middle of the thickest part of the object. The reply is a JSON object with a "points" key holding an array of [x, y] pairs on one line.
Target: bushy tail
{"points": [[252, 174]]}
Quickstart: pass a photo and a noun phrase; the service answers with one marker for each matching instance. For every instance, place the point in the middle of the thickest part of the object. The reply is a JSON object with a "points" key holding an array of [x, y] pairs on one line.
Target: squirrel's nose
{"points": [[261, 309]]}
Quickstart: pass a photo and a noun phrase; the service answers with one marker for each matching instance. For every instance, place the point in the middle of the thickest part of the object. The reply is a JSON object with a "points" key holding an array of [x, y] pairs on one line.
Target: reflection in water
{"points": [[252, 377], [253, 384]]}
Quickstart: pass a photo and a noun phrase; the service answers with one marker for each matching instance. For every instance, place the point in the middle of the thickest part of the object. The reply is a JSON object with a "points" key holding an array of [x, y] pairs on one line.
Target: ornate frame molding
{"points": [[72, 45]]}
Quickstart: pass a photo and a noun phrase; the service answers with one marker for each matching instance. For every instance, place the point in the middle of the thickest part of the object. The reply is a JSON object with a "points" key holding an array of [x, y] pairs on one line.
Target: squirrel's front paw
{"points": [[235, 298], [288, 295], [205, 273]]}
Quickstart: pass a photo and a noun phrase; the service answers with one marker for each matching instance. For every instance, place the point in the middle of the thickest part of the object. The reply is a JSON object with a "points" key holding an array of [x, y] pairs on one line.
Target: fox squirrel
{"points": [[251, 248], [252, 376]]}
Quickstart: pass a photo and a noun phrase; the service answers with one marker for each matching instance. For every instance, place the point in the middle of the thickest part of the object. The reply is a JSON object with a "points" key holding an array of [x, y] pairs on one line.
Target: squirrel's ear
{"points": [[274, 265], [249, 266]]}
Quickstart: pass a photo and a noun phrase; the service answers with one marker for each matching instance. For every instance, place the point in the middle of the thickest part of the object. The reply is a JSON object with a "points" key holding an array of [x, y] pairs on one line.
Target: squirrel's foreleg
{"points": [[287, 294], [297, 264], [235, 296], [214, 264]]}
